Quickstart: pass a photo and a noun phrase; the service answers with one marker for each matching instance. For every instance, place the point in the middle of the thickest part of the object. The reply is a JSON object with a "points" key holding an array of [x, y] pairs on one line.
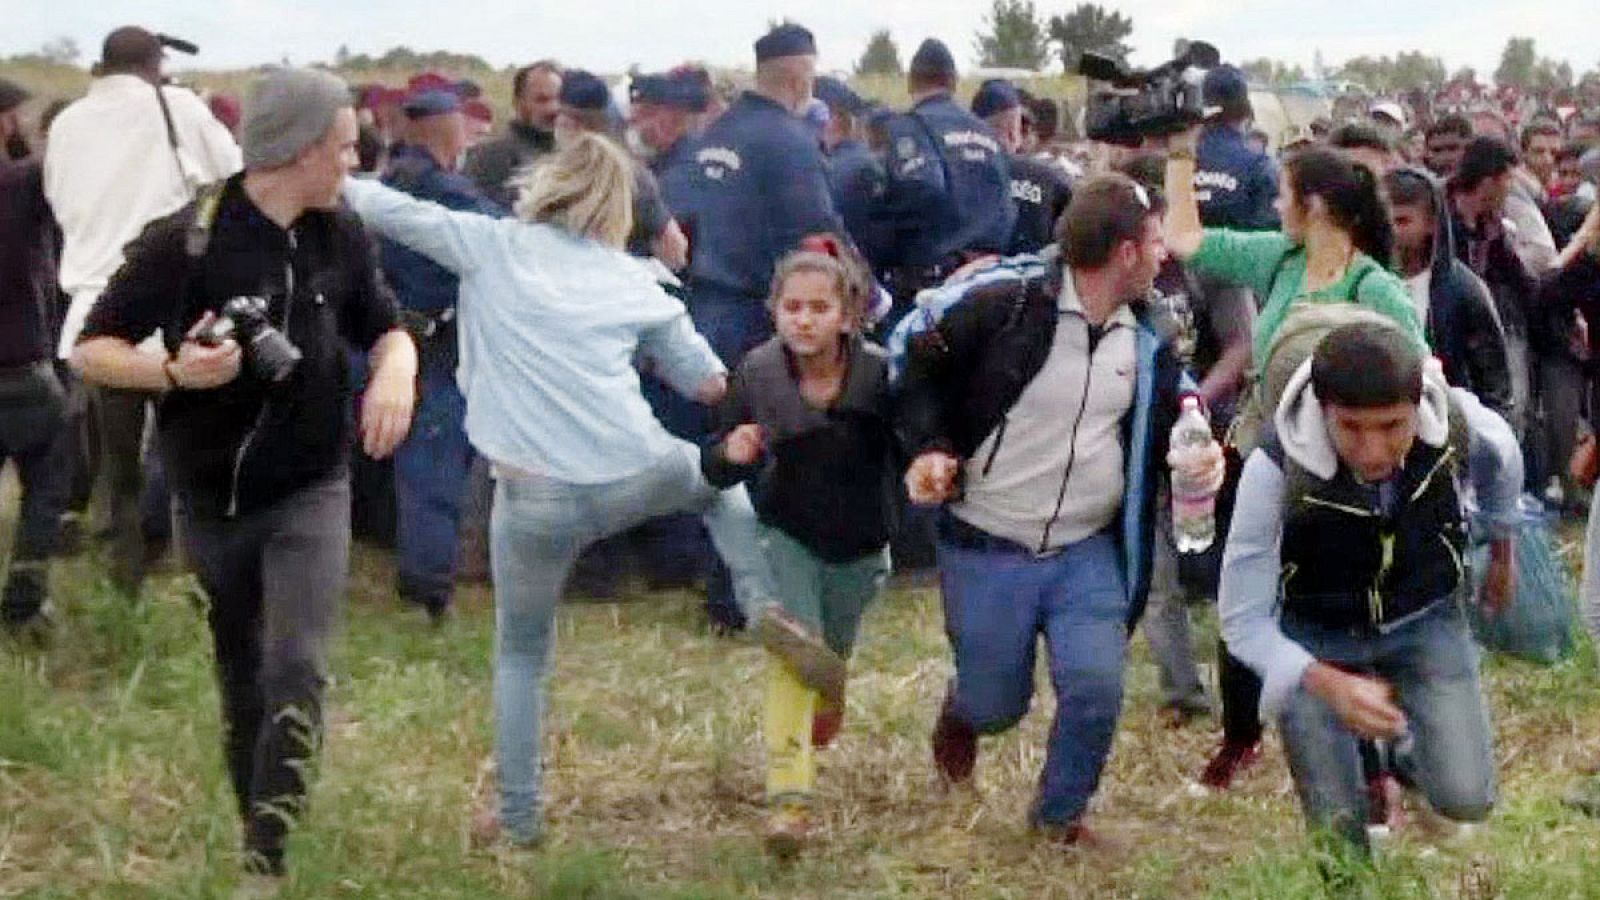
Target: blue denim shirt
{"points": [[549, 326]]}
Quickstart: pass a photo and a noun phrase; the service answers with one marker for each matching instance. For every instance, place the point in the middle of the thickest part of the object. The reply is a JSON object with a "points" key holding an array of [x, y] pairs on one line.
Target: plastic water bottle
{"points": [[1194, 524]]}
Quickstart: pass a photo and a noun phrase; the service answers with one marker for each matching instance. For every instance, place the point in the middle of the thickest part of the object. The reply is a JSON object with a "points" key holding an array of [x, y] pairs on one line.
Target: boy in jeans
{"points": [[1343, 569]]}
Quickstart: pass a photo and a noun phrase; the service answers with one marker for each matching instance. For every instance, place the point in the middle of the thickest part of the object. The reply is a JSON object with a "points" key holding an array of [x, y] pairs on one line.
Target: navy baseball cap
{"points": [[995, 96], [838, 95], [787, 39], [421, 104], [934, 58], [1226, 87], [672, 90], [584, 90]]}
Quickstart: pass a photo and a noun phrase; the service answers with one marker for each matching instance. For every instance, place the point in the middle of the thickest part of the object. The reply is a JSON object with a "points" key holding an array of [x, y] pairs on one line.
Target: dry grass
{"points": [[111, 783]]}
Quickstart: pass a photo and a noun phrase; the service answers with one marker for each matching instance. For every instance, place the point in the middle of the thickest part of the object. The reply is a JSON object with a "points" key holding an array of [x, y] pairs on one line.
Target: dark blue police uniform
{"points": [[949, 188], [1041, 190], [1234, 183], [431, 465], [857, 181]]}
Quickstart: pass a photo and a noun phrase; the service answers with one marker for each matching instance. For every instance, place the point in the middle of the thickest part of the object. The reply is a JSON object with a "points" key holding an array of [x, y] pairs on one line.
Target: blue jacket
{"points": [[857, 181], [949, 188], [989, 347], [1235, 184], [421, 284], [672, 168], [757, 185]]}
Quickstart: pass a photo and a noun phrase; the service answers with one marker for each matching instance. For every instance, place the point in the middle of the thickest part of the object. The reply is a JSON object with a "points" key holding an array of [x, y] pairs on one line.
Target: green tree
{"points": [[1090, 27], [1518, 62], [1415, 70], [1014, 38], [1273, 72], [1373, 73], [882, 56], [62, 50]]}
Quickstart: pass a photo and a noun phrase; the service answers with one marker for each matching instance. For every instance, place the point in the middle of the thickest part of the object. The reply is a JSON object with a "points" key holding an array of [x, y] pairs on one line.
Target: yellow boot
{"points": [[791, 767]]}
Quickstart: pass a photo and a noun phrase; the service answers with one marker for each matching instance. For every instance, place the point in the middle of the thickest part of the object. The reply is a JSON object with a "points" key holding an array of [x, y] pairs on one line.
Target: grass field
{"points": [[111, 780]]}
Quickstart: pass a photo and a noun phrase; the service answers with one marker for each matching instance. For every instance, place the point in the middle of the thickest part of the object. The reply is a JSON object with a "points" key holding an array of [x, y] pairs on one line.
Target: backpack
{"points": [[931, 304]]}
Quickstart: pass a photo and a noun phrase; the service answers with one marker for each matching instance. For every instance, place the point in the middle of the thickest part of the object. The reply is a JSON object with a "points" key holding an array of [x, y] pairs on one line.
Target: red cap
{"points": [[477, 109], [429, 81]]}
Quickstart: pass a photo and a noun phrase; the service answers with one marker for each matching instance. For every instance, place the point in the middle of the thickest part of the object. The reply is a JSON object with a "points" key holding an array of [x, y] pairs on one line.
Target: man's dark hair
{"points": [[129, 49], [1452, 125], [1365, 365], [519, 80], [1484, 158], [1539, 128], [1409, 187], [1104, 211], [1353, 135], [1046, 118]]}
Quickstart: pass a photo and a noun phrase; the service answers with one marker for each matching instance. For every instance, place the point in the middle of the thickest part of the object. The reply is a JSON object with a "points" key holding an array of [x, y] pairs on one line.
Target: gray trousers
{"points": [[275, 579]]}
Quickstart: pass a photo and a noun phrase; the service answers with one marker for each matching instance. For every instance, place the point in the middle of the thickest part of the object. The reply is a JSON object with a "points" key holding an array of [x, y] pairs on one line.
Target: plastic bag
{"points": [[1537, 625]]}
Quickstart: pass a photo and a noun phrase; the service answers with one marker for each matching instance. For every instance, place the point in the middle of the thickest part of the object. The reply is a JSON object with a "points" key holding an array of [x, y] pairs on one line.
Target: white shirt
{"points": [[1421, 285], [109, 170]]}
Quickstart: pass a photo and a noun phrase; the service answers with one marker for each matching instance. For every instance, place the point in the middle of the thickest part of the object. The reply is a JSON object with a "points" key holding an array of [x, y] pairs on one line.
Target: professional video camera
{"points": [[1163, 100], [270, 355]]}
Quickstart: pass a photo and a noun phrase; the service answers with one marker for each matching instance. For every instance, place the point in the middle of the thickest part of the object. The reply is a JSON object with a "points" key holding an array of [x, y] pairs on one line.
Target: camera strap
{"points": [[172, 137]]}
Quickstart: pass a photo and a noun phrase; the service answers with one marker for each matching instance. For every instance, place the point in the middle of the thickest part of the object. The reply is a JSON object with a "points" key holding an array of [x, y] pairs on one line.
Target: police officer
{"points": [[757, 184], [855, 175], [1235, 183], [1039, 188], [431, 466], [664, 113], [949, 190]]}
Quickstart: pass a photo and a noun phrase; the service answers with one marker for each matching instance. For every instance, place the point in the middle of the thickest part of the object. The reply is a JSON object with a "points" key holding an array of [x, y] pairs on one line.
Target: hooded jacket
{"points": [[1462, 326], [1250, 597]]}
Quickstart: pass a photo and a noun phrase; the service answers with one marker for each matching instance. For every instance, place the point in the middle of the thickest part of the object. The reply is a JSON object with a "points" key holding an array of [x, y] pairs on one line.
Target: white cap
{"points": [[1391, 109]]}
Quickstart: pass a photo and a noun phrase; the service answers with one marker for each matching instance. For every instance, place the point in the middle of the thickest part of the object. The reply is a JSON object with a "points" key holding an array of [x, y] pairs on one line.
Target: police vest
{"points": [[1349, 564]]}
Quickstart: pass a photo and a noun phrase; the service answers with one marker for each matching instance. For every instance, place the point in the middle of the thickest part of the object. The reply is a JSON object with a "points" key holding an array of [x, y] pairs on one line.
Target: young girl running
{"points": [[807, 421]]}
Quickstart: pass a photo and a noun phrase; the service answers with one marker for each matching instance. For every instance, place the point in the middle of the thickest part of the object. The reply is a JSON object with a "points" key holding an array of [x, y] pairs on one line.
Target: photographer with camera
{"points": [[132, 150], [258, 286]]}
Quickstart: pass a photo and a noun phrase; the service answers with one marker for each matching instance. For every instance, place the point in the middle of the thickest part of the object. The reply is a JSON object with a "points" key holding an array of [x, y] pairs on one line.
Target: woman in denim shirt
{"points": [[553, 312]]}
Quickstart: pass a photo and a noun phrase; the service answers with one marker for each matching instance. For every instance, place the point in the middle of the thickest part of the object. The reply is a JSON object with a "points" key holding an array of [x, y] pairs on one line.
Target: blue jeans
{"points": [[430, 473], [1432, 663], [537, 529], [996, 605]]}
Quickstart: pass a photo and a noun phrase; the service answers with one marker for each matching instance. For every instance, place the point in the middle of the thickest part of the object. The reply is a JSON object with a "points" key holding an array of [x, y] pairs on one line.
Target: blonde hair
{"points": [[586, 188], [849, 281]]}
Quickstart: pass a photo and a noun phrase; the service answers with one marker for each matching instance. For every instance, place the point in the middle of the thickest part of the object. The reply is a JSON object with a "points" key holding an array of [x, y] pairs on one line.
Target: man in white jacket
{"points": [[131, 151]]}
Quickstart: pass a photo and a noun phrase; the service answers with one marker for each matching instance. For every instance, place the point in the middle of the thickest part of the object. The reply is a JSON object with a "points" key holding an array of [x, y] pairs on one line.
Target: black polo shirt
{"points": [[248, 444]]}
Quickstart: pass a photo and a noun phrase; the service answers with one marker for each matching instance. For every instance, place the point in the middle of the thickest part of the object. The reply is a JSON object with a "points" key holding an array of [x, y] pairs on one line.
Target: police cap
{"points": [[787, 39], [584, 90], [933, 58], [838, 95], [678, 91], [431, 102], [995, 96]]}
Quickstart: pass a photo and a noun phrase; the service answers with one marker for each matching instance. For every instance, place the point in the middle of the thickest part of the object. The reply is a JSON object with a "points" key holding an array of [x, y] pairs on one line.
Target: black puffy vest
{"points": [[1347, 564]]}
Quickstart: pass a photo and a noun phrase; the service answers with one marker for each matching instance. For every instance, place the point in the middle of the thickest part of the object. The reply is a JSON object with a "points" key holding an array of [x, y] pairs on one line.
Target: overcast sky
{"points": [[610, 35]]}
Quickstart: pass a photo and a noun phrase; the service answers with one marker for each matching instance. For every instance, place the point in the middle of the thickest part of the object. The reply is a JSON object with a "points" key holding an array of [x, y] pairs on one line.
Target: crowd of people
{"points": [[777, 341]]}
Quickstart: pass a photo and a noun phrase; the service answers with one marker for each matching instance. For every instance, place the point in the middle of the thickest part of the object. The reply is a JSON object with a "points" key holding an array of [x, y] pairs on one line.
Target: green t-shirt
{"points": [[1251, 257]]}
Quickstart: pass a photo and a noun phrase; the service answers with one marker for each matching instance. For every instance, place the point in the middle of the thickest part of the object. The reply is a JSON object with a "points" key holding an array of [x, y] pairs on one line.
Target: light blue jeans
{"points": [[537, 529], [1432, 663]]}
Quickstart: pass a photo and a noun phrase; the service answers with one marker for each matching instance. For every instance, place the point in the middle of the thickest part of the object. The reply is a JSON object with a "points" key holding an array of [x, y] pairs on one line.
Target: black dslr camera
{"points": [[270, 355], [1140, 104]]}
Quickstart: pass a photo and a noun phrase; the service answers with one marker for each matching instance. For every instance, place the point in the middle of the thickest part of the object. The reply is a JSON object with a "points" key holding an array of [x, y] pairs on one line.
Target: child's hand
{"points": [[931, 480], [745, 444]]}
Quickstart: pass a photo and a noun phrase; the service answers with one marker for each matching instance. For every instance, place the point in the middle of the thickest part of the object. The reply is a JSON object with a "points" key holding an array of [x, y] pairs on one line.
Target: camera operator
{"points": [[1235, 183], [256, 441], [132, 150]]}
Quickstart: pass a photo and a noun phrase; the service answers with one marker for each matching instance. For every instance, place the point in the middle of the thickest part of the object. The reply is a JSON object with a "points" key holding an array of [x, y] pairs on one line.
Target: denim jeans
{"points": [[1432, 663], [1166, 621], [996, 605], [33, 434], [1589, 587], [537, 529], [430, 484]]}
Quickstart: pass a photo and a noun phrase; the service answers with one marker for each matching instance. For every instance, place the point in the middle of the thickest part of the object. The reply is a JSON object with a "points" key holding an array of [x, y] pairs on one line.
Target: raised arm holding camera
{"points": [[258, 286]]}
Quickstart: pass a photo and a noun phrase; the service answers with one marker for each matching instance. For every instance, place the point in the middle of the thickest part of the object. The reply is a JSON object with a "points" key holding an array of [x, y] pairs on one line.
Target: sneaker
{"points": [[825, 726], [1230, 759], [1079, 836], [955, 746], [788, 830], [790, 640], [1585, 796]]}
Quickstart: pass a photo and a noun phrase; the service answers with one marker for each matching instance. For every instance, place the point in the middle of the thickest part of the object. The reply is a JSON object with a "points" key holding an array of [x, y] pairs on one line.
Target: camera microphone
{"points": [[178, 44]]}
